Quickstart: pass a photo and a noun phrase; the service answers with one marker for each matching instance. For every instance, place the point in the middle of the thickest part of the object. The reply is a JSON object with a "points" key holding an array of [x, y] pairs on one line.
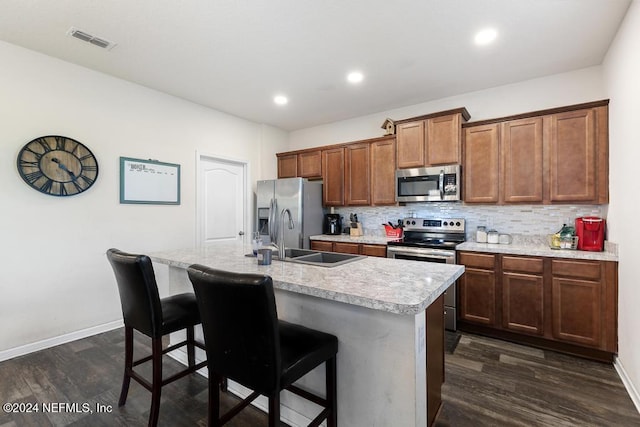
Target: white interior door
{"points": [[222, 198]]}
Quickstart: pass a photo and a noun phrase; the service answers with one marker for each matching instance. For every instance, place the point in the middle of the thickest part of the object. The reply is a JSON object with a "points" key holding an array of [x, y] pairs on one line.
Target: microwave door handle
{"points": [[441, 184]]}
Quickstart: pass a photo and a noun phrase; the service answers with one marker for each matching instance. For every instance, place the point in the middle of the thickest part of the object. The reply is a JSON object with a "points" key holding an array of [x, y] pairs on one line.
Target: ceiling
{"points": [[236, 55]]}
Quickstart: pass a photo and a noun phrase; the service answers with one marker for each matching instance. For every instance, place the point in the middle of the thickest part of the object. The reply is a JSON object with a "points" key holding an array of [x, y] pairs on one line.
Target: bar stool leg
{"points": [[191, 351], [332, 394], [274, 410], [214, 400], [156, 385], [128, 364]]}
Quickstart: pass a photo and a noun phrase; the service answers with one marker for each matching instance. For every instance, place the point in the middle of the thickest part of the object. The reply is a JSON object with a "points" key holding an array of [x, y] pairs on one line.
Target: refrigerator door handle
{"points": [[273, 232]]}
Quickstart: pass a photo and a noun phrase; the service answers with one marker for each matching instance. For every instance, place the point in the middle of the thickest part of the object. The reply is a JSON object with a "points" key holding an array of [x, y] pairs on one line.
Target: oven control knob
{"points": [[458, 223], [413, 223], [445, 223]]}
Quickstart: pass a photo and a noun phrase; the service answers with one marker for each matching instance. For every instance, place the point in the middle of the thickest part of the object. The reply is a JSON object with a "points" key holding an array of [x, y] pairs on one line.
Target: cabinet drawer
{"points": [[374, 250], [346, 248], [522, 264], [320, 245], [576, 269], [468, 259]]}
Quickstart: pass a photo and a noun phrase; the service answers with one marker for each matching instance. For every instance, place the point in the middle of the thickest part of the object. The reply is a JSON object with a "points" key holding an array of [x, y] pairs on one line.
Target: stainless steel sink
{"points": [[318, 258]]}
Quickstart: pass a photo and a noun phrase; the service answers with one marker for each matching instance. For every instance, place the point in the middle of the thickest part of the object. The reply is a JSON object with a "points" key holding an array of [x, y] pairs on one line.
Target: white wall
{"points": [[621, 75], [54, 276], [554, 91]]}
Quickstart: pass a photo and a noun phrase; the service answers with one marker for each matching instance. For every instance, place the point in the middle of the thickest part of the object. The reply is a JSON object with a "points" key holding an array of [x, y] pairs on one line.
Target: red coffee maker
{"points": [[590, 232]]}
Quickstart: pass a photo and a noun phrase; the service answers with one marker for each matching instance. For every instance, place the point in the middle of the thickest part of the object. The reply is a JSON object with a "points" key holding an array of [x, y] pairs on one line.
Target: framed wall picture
{"points": [[149, 182]]}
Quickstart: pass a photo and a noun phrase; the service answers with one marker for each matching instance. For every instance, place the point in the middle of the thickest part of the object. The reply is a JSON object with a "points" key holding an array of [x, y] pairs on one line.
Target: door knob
{"points": [[240, 233]]}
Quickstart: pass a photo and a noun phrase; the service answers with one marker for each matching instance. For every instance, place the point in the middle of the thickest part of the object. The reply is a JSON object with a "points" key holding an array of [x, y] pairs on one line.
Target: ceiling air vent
{"points": [[84, 36]]}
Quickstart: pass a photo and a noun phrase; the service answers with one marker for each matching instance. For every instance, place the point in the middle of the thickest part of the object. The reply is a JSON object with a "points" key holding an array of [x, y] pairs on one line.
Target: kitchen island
{"points": [[386, 314]]}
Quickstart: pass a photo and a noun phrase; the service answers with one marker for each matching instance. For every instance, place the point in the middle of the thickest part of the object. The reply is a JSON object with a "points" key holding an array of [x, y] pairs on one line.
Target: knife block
{"points": [[355, 231]]}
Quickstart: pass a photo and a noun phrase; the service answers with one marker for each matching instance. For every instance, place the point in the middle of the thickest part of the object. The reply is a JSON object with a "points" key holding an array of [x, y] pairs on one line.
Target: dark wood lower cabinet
{"points": [[350, 248], [477, 288], [478, 296], [562, 304], [523, 303], [576, 311], [435, 357]]}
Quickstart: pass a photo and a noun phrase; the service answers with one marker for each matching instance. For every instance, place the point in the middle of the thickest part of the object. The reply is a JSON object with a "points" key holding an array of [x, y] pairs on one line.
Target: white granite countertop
{"points": [[536, 249], [522, 245], [395, 286], [346, 238]]}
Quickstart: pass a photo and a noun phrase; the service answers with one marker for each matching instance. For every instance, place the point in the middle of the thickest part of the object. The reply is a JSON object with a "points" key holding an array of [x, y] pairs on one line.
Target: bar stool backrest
{"points": [[141, 308], [240, 324]]}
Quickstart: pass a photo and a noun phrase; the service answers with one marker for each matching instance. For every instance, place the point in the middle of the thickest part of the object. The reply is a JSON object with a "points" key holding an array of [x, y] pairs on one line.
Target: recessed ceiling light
{"points": [[485, 36], [355, 77], [280, 99]]}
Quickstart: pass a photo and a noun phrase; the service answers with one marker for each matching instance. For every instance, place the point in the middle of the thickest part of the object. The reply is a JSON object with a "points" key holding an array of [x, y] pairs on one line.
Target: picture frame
{"points": [[149, 182]]}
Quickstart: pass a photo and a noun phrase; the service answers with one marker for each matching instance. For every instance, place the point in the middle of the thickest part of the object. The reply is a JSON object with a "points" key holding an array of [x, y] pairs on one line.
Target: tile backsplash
{"points": [[520, 219]]}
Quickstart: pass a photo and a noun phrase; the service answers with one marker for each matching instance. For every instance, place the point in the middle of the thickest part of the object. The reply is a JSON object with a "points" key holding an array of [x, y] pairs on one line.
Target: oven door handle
{"points": [[431, 253]]}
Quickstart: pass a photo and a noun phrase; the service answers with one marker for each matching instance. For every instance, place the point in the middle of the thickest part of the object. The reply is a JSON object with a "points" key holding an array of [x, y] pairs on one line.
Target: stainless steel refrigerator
{"points": [[303, 198]]}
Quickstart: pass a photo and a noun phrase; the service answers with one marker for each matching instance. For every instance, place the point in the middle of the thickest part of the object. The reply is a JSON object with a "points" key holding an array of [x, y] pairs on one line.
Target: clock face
{"points": [[57, 165]]}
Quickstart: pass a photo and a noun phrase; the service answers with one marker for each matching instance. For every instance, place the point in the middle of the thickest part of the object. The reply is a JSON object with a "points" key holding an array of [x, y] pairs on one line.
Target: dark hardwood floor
{"points": [[488, 383], [496, 383]]}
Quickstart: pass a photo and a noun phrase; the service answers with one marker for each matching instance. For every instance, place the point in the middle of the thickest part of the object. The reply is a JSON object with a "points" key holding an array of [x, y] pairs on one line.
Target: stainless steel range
{"points": [[432, 240]]}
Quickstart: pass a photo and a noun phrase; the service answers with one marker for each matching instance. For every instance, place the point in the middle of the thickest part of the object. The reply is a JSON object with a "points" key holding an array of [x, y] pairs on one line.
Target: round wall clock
{"points": [[57, 165]]}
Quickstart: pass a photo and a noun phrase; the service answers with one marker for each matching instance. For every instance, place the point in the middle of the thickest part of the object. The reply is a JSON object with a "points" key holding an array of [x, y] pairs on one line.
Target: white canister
{"points": [[492, 236], [481, 234], [504, 239]]}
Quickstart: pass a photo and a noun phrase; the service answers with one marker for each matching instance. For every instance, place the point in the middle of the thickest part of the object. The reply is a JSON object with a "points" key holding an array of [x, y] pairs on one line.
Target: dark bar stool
{"points": [[144, 311], [247, 343]]}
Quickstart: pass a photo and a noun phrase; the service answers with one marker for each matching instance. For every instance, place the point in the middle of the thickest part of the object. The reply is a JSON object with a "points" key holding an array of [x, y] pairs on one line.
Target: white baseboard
{"points": [[633, 392], [62, 339], [287, 415]]}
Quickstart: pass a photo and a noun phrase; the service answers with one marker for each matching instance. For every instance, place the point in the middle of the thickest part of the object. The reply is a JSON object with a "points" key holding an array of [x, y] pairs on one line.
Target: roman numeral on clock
{"points": [[33, 176]]}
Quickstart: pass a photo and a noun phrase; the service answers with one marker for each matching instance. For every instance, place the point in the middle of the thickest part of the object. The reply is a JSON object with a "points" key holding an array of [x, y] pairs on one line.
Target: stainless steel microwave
{"points": [[432, 184]]}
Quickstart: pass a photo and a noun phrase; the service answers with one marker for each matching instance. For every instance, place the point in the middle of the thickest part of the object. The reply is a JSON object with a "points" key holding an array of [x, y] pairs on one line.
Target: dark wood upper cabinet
{"points": [[411, 144], [383, 172], [481, 164], [333, 177], [310, 164], [522, 168], [444, 140], [572, 156], [357, 175], [550, 156], [430, 140], [287, 166], [303, 164]]}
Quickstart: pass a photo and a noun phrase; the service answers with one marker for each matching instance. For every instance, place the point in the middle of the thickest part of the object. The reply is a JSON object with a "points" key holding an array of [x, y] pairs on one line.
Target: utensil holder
{"points": [[357, 230], [395, 233]]}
